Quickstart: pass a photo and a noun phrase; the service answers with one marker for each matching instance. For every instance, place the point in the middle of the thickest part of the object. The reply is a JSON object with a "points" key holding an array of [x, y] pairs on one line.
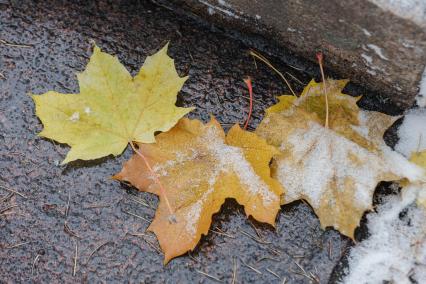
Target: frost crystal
{"points": [[75, 117]]}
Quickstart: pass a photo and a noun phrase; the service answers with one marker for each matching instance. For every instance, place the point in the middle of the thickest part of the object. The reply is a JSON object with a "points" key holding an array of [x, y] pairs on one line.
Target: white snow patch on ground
{"points": [[421, 97], [368, 59], [211, 8], [366, 32], [412, 133], [377, 50], [223, 3], [396, 248], [414, 10]]}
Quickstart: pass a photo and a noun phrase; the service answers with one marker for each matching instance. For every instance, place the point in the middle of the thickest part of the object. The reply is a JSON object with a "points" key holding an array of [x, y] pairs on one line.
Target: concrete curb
{"points": [[361, 41]]}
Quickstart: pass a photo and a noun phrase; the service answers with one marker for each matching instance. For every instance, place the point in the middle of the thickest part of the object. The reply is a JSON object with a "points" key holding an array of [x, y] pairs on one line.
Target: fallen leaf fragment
{"points": [[335, 169], [112, 108], [200, 168], [419, 158], [412, 144]]}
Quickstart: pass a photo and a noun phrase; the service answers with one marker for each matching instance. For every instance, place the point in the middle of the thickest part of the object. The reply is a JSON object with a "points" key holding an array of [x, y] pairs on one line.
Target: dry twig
{"points": [[266, 61], [34, 263], [68, 230], [7, 208], [234, 270], [137, 216], [251, 267], [3, 42], [209, 276], [96, 249], [74, 271], [17, 245], [12, 190], [273, 273], [220, 232]]}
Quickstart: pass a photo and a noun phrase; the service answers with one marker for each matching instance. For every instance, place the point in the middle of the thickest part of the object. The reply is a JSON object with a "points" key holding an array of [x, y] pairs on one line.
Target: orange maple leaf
{"points": [[200, 168]]}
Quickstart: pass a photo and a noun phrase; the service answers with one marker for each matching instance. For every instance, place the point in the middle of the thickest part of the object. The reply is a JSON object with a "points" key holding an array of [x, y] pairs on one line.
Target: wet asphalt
{"points": [[79, 205]]}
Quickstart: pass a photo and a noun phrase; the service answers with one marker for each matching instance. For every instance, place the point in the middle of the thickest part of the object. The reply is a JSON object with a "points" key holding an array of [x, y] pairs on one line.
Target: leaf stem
{"points": [[250, 89], [320, 62], [172, 218], [266, 61]]}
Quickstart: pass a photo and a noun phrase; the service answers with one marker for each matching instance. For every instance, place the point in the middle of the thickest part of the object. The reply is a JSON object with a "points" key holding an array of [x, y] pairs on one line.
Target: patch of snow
{"points": [[230, 158], [75, 117], [362, 128], [161, 169], [369, 62], [219, 9], [396, 247], [291, 30], [366, 32], [421, 97], [367, 58], [413, 10], [223, 3], [372, 72], [194, 211], [193, 216], [407, 45], [258, 17], [412, 133], [377, 50], [401, 166]]}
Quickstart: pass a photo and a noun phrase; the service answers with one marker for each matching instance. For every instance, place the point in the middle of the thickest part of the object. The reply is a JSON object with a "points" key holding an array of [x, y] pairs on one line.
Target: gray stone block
{"points": [[381, 47]]}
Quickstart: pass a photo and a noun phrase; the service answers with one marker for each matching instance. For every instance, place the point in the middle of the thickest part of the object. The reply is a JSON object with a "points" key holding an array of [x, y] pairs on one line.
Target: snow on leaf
{"points": [[112, 108], [200, 168], [335, 169]]}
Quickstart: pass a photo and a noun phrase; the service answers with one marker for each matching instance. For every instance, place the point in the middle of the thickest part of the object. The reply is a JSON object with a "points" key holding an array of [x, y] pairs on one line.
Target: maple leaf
{"points": [[200, 168], [335, 169], [112, 108], [419, 158]]}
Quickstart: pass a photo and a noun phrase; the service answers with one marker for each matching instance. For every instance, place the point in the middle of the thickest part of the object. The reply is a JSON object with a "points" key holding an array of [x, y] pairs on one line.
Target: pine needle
{"points": [[250, 89], [266, 61]]}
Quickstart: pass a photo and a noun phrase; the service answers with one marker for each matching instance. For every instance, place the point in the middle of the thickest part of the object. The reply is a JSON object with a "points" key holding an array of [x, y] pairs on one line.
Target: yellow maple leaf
{"points": [[335, 169], [419, 158], [112, 108], [200, 168]]}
